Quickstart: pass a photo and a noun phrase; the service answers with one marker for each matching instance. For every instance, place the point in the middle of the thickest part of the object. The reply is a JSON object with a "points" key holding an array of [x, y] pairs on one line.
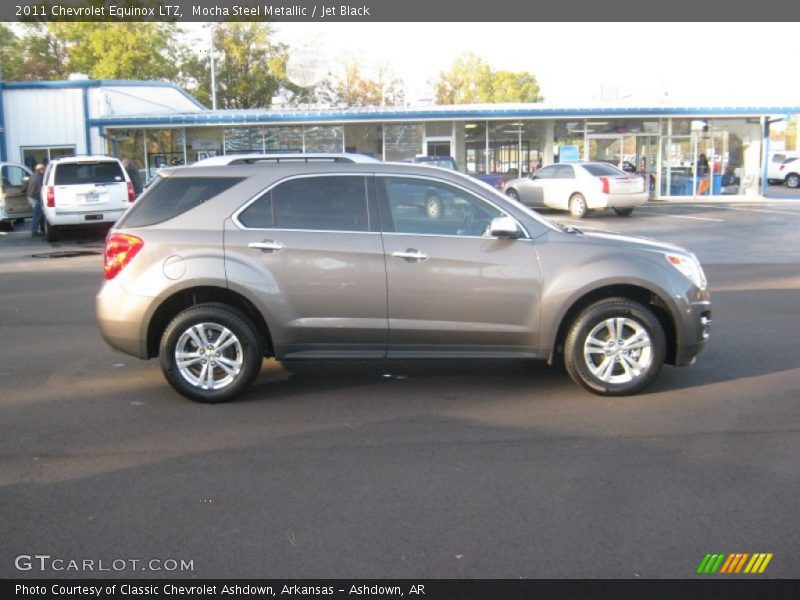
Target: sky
{"points": [[642, 63]]}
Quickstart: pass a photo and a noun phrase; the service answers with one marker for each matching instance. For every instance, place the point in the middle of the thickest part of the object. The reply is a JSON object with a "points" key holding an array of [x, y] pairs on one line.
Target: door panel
{"points": [[457, 292], [323, 291]]}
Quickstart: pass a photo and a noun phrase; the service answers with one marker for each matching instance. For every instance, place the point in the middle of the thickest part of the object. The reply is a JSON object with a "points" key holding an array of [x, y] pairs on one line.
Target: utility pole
{"points": [[213, 70]]}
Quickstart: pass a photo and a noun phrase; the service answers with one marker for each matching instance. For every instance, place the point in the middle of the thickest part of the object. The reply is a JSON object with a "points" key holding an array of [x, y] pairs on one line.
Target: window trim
{"points": [[377, 230], [246, 205]]}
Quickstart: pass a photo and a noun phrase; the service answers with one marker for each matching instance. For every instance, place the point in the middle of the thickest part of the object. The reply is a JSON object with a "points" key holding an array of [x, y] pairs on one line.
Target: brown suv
{"points": [[214, 268]]}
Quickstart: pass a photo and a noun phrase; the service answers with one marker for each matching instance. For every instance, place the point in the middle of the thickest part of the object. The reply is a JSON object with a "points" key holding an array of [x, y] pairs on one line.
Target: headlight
{"points": [[690, 267]]}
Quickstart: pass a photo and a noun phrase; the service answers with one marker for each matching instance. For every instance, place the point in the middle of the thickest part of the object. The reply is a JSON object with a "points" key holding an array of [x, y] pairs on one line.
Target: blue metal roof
{"points": [[427, 113], [93, 83]]}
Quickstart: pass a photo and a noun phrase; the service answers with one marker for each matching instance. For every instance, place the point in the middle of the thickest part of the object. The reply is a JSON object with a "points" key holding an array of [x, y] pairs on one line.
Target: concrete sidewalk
{"points": [[755, 199]]}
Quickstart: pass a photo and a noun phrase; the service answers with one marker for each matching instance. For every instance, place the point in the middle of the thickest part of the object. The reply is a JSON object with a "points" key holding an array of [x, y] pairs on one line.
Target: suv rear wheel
{"points": [[615, 347], [210, 353], [50, 232]]}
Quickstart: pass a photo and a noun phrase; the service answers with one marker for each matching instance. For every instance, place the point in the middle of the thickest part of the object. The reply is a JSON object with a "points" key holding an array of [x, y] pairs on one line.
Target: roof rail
{"points": [[249, 159]]}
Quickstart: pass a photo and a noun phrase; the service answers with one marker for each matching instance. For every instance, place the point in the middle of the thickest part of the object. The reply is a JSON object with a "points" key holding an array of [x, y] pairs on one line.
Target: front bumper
{"points": [[693, 328]]}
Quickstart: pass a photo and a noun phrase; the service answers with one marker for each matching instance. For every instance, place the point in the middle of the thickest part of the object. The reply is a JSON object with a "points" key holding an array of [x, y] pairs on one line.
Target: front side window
{"points": [[326, 203], [546, 173], [423, 206], [12, 176]]}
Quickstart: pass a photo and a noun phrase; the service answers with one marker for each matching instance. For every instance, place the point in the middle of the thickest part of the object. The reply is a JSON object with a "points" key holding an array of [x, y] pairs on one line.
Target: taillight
{"points": [[503, 183], [605, 184], [131, 193], [782, 168], [51, 196], [120, 250]]}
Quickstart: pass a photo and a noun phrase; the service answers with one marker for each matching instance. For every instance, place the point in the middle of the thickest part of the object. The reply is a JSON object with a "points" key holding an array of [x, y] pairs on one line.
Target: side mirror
{"points": [[504, 228]]}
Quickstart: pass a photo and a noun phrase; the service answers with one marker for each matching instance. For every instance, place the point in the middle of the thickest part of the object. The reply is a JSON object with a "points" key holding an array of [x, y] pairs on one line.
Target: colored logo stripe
{"points": [[734, 563]]}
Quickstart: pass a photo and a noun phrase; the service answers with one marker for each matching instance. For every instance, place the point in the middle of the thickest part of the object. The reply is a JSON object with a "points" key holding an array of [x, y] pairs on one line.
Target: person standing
{"points": [[33, 190], [133, 175]]}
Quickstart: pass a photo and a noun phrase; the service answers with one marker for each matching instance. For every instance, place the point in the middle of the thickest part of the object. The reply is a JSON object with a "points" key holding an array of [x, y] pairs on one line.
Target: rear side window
{"points": [[604, 170], [313, 203], [172, 196], [95, 172]]}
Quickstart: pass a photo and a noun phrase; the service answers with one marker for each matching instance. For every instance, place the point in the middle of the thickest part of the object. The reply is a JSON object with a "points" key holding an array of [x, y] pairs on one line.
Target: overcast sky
{"points": [[691, 62], [642, 63]]}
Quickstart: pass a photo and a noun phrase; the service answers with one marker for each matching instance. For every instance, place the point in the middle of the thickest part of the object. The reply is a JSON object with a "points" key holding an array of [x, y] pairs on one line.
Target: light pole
{"points": [[213, 70]]}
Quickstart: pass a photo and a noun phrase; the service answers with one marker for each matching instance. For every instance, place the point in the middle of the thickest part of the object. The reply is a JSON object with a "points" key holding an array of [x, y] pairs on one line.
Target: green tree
{"points": [[472, 81], [9, 53], [250, 67], [149, 51]]}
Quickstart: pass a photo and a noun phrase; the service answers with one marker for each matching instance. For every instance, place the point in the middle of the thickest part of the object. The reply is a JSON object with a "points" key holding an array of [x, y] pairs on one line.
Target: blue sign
{"points": [[567, 154]]}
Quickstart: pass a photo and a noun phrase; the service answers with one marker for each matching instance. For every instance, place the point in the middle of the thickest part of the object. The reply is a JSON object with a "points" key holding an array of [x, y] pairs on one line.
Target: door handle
{"points": [[411, 255], [266, 246]]}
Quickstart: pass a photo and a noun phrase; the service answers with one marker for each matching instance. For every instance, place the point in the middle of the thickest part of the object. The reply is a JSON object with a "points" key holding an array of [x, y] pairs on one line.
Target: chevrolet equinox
{"points": [[215, 268]]}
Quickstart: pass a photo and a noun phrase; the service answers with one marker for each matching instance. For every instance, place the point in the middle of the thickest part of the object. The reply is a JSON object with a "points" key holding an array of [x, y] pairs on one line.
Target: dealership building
{"points": [[681, 150]]}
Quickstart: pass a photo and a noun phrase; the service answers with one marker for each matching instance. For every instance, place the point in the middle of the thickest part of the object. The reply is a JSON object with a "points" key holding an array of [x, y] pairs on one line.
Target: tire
{"points": [[6, 225], [792, 180], [577, 206], [240, 349], [512, 193], [624, 212], [433, 207], [590, 345], [51, 232]]}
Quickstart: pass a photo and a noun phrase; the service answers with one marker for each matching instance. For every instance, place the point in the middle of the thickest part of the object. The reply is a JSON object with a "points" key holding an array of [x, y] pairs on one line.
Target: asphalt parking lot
{"points": [[414, 470]]}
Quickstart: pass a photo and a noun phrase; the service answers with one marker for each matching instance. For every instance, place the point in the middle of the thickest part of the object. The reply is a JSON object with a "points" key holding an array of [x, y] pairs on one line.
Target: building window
{"points": [[364, 139], [403, 140], [43, 155]]}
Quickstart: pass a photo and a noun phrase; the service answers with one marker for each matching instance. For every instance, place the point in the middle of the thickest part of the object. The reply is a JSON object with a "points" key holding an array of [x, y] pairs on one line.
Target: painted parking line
{"points": [[695, 218], [739, 208]]}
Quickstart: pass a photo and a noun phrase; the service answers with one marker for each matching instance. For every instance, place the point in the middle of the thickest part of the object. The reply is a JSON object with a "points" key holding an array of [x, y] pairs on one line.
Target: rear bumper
{"points": [[625, 200], [120, 317], [60, 218]]}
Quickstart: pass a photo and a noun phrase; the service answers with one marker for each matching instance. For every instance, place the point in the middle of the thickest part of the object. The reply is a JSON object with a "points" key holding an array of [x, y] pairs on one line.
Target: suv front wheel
{"points": [[615, 347], [210, 353]]}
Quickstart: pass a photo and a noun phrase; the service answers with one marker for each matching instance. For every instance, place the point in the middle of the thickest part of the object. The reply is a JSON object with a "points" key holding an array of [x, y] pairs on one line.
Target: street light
{"points": [[213, 69]]}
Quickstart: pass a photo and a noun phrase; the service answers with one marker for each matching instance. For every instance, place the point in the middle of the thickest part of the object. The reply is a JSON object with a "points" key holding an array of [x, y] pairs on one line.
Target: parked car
{"points": [[215, 268], [84, 190], [579, 188], [14, 205], [448, 162], [776, 161], [790, 171]]}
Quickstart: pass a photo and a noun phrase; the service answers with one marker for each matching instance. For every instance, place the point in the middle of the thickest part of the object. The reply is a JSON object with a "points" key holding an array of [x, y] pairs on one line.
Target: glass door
{"points": [[605, 148]]}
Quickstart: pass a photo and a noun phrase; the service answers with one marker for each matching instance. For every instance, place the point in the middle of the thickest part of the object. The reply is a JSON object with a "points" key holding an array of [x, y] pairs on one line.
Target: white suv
{"points": [[84, 190], [790, 173]]}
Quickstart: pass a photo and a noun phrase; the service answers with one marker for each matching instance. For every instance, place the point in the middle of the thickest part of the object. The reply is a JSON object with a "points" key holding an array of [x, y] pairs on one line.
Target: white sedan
{"points": [[579, 188]]}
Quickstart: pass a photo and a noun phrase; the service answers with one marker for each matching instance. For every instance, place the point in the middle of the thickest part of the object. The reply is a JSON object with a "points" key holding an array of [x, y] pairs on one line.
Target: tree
{"points": [[250, 68], [128, 50], [35, 55], [472, 81], [351, 87]]}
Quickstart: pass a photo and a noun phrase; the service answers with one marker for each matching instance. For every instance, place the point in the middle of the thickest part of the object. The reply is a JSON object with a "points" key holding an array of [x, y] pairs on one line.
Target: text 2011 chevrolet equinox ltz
{"points": [[216, 267]]}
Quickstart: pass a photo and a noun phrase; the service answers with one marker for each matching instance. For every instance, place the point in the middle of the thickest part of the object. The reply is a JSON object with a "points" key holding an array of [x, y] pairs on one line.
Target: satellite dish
{"points": [[305, 68]]}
